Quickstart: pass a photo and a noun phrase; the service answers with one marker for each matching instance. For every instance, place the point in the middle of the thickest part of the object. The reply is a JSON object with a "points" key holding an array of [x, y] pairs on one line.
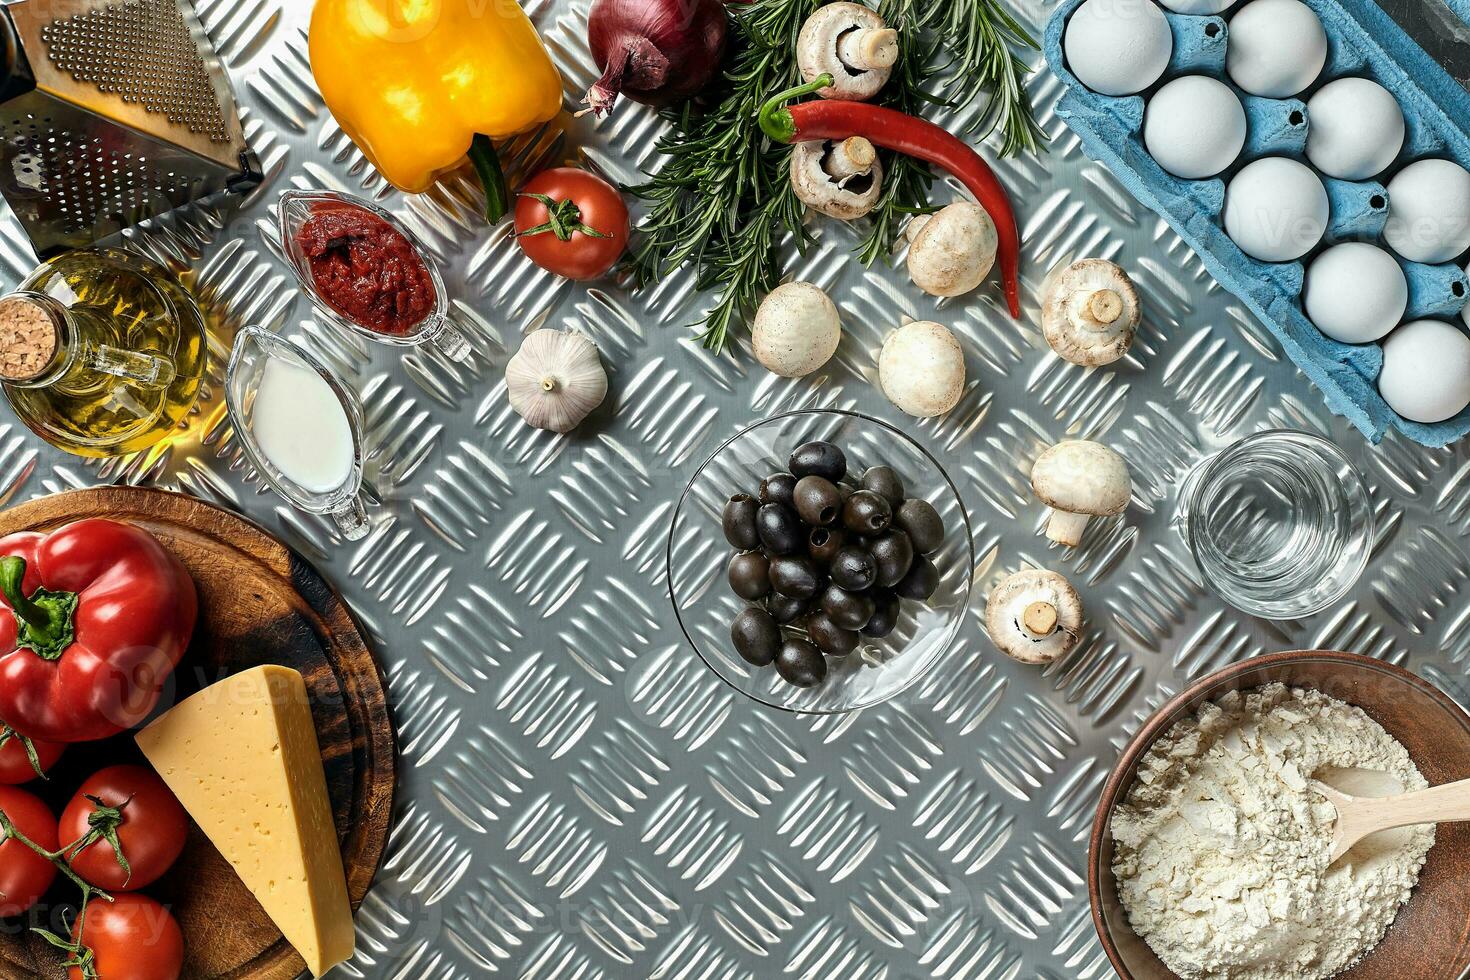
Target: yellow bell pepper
{"points": [[418, 84]]}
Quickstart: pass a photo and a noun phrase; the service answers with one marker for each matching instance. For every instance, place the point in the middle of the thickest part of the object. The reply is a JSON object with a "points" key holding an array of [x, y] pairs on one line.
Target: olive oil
{"points": [[101, 352]]}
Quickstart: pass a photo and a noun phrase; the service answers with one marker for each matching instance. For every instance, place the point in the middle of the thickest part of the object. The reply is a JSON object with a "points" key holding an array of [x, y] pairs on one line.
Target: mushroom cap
{"points": [[952, 251], [846, 198], [1080, 477], [1006, 608], [1073, 303], [817, 54], [922, 369], [796, 330]]}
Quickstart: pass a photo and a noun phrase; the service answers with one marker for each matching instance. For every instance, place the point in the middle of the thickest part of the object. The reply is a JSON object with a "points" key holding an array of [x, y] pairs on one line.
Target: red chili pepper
{"points": [[832, 119], [100, 615]]}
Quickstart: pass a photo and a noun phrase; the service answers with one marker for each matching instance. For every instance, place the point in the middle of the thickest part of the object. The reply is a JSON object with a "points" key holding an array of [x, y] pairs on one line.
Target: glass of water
{"points": [[1280, 524]]}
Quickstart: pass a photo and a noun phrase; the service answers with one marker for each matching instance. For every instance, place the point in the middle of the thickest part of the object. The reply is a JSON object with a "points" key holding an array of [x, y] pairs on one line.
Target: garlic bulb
{"points": [[555, 380]]}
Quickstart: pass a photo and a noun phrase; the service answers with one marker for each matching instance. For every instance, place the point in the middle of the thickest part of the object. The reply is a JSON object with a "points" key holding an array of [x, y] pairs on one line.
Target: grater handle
{"points": [[18, 79]]}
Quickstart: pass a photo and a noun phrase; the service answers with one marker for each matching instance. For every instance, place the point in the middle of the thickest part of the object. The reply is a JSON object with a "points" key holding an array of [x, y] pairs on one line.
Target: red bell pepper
{"points": [[835, 119], [100, 614]]}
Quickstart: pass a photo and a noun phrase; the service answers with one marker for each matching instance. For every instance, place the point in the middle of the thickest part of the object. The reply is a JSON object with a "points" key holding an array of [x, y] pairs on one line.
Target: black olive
{"points": [[893, 553], [849, 610], [830, 638], [818, 501], [778, 489], [867, 513], [920, 582], [885, 616], [785, 609], [824, 543], [887, 484], [800, 663], [854, 569], [750, 575], [780, 529], [756, 636], [795, 577], [739, 522], [819, 459], [921, 522]]}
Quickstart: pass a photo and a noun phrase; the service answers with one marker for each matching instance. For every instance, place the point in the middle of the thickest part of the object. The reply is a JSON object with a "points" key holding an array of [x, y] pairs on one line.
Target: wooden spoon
{"points": [[1359, 816]]}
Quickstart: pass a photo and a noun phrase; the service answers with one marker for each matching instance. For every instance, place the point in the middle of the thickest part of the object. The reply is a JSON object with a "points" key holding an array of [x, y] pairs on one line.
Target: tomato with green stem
{"points": [[572, 223], [25, 874], [131, 937], [24, 759], [123, 829]]}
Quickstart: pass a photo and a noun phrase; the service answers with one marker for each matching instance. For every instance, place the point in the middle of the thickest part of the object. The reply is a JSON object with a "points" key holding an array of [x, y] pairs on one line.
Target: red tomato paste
{"points": [[366, 270]]}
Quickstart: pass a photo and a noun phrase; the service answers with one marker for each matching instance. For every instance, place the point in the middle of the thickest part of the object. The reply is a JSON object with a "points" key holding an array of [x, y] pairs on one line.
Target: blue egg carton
{"points": [[1362, 41]]}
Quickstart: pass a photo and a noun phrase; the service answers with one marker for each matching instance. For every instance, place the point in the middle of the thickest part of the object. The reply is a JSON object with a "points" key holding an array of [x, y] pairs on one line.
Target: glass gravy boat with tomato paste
{"points": [[366, 272]]}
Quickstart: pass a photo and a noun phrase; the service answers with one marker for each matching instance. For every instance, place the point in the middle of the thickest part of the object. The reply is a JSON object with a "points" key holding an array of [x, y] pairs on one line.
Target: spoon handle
{"points": [[1434, 805]]}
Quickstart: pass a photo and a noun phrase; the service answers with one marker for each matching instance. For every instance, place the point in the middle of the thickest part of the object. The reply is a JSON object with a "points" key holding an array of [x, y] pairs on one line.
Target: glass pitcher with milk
{"points": [[300, 427]]}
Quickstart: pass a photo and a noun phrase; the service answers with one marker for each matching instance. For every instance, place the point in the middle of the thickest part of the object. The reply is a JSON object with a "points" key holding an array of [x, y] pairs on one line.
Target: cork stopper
{"points": [[29, 337]]}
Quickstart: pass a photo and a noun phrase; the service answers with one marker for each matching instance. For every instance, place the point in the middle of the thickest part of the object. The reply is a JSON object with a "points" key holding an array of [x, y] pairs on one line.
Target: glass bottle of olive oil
{"points": [[101, 352]]}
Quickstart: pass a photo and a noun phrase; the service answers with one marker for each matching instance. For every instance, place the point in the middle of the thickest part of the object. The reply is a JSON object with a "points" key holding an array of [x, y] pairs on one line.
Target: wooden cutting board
{"points": [[258, 603]]}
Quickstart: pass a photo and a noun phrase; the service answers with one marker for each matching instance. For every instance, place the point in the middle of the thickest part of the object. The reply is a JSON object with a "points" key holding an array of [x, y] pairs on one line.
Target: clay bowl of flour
{"points": [[1430, 937]]}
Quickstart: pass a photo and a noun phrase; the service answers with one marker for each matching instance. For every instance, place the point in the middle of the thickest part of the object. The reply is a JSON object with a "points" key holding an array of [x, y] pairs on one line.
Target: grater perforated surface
{"points": [[141, 51]]}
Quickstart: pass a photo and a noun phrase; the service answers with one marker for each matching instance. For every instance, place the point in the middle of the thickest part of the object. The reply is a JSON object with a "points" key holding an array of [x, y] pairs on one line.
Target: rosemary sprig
{"points": [[722, 199]]}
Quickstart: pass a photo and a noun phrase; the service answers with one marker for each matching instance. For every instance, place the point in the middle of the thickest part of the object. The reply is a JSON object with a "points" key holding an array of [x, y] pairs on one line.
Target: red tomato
{"points": [[152, 830], [24, 874], [132, 938], [15, 764], [555, 235]]}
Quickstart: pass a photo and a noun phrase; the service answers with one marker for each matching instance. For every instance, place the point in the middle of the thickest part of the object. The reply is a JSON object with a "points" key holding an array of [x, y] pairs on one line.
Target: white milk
{"points": [[301, 427]]}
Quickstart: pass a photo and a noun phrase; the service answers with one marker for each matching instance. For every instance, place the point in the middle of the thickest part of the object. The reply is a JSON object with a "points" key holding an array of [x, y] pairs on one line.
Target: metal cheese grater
{"points": [[112, 111]]}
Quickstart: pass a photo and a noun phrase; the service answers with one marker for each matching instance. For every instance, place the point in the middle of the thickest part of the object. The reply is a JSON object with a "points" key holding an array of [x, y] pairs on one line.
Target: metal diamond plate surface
{"points": [[580, 796]]}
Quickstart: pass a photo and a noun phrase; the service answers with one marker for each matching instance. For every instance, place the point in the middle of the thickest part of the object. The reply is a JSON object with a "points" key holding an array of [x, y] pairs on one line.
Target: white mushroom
{"points": [[851, 43], [1091, 312], [796, 330], [951, 252], [1034, 615], [922, 369], [1079, 481], [843, 180]]}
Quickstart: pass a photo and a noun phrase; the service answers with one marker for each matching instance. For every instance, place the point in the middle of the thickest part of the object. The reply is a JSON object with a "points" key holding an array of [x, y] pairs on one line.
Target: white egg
{"points": [[1355, 130], [1194, 127], [1276, 49], [1198, 6], [1355, 292], [1276, 209], [1429, 211], [1465, 313], [1118, 47], [1426, 371]]}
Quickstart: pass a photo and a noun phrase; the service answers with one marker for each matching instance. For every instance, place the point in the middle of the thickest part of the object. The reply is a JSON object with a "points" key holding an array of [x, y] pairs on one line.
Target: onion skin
{"points": [[654, 51]]}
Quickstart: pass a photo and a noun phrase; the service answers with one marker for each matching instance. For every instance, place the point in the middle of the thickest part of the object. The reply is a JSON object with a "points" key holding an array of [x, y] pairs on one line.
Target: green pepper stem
{"points": [[775, 117], [492, 178], [44, 621]]}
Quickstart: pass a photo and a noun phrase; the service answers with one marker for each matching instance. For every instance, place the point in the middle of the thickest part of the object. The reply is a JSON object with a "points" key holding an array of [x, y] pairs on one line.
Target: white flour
{"points": [[1221, 847]]}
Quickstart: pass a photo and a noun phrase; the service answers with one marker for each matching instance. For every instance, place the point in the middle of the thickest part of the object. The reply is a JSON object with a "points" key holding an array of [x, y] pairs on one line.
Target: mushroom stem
{"points": [[851, 157], [1040, 618], [1106, 306], [869, 50], [1065, 528]]}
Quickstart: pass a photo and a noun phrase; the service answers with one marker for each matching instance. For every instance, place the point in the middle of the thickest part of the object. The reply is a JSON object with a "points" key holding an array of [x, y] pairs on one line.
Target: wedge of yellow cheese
{"points": [[242, 757]]}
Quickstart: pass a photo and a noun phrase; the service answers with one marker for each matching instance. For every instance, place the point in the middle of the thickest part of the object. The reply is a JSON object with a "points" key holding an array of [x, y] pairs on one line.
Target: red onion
{"points": [[654, 51]]}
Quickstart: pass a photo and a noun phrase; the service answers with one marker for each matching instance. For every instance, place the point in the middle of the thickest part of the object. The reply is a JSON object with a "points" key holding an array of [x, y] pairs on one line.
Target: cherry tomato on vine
{"points": [[131, 938], [572, 223], [15, 761], [24, 874], [150, 825]]}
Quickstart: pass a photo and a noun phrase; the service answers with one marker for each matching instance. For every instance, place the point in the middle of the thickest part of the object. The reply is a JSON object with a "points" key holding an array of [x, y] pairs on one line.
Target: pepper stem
{"points": [[492, 178], [775, 117], [44, 621]]}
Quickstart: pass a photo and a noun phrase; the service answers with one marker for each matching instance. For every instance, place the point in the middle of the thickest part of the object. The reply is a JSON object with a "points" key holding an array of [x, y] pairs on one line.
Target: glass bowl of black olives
{"points": [[820, 561]]}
